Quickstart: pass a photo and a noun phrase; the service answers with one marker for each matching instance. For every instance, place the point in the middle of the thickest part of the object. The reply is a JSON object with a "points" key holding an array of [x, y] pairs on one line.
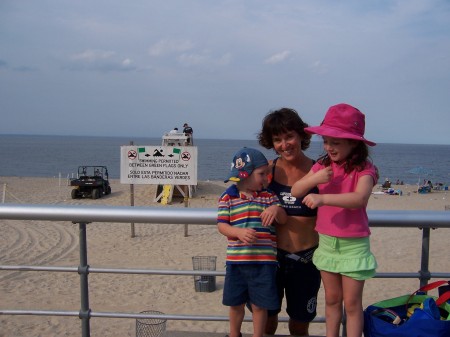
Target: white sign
{"points": [[158, 165]]}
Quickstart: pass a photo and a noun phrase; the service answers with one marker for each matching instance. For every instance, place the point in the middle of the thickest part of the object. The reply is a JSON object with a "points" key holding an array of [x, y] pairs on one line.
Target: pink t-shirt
{"points": [[338, 221]]}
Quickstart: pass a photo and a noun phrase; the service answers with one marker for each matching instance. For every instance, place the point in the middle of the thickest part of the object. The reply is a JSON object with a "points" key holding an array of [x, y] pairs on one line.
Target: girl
{"points": [[345, 178]]}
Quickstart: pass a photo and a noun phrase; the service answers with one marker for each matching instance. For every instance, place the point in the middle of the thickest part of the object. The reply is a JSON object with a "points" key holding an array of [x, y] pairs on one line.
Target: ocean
{"points": [[53, 156]]}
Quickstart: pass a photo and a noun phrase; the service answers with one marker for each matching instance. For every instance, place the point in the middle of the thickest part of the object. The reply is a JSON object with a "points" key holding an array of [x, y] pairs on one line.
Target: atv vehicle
{"points": [[92, 182]]}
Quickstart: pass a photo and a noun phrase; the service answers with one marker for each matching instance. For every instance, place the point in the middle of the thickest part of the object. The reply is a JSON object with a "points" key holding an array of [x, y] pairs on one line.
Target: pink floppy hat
{"points": [[342, 121]]}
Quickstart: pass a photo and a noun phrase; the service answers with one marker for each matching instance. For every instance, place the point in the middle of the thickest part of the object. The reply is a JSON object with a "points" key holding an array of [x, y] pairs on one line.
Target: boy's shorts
{"points": [[254, 283]]}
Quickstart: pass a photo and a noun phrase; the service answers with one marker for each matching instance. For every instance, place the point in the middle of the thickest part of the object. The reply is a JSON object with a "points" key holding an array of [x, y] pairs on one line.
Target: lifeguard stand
{"points": [[177, 139], [164, 193]]}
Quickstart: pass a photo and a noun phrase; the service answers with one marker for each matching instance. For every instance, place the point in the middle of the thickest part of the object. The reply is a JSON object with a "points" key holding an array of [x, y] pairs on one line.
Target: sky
{"points": [[142, 67]]}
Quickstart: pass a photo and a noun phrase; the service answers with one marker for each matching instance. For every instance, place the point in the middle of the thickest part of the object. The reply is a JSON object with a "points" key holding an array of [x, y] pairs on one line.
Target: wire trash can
{"points": [[150, 327], [204, 283]]}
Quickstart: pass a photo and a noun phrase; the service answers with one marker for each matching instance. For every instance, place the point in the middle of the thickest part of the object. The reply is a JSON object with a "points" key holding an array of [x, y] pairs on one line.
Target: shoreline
{"points": [[206, 191], [163, 247]]}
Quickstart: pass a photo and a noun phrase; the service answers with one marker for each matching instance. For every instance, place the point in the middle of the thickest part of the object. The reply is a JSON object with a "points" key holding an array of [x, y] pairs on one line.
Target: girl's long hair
{"points": [[356, 160]]}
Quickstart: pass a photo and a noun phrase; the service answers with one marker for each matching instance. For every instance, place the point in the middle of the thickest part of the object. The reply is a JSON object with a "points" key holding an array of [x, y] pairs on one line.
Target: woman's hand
{"points": [[268, 216]]}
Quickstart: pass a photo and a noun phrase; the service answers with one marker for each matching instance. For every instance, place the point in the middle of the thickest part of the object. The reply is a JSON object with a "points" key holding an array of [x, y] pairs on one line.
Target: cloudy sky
{"points": [[141, 67]]}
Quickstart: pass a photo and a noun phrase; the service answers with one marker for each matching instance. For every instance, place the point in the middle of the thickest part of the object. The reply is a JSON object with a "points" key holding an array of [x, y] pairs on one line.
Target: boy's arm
{"points": [[246, 235]]}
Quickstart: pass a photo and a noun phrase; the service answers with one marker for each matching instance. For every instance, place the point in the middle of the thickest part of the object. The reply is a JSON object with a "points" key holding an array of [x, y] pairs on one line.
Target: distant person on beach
{"points": [[173, 131], [297, 278], [345, 177], [247, 213], [188, 131]]}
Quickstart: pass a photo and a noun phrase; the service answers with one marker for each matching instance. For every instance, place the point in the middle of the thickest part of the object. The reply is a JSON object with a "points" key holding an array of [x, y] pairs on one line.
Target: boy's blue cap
{"points": [[244, 162]]}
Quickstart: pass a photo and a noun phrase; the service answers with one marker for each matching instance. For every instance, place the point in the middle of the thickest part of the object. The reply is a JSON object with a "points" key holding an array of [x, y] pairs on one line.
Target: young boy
{"points": [[246, 216]]}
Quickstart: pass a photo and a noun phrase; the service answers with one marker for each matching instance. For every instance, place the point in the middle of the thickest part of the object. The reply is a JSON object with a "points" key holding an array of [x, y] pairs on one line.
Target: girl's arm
{"points": [[312, 179], [357, 199]]}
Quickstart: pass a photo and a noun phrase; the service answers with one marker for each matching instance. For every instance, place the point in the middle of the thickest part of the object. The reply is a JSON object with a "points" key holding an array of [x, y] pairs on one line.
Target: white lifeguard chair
{"points": [[164, 193], [177, 139]]}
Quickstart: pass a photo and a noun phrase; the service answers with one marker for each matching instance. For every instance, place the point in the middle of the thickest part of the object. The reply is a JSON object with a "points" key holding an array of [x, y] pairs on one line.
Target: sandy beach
{"points": [[162, 247]]}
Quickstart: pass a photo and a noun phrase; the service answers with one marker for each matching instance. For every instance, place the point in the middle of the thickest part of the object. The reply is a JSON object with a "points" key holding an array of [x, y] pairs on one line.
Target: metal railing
{"points": [[82, 215]]}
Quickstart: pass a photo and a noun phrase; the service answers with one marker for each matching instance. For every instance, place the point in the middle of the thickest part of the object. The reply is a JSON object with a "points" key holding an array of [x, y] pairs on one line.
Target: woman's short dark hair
{"points": [[281, 121]]}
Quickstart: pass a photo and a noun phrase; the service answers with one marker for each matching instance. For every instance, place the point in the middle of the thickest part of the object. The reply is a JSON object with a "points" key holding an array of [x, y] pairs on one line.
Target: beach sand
{"points": [[162, 247]]}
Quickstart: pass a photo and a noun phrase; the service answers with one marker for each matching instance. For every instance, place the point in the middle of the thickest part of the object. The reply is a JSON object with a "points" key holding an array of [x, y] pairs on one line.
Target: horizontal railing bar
{"points": [[183, 317], [76, 213], [396, 275], [440, 275], [165, 316], [157, 271], [39, 268], [199, 216], [100, 314], [420, 219], [40, 312], [411, 275], [93, 270]]}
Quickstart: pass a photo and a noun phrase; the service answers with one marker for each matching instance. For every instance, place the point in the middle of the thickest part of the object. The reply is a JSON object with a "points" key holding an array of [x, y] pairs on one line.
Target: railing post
{"points": [[83, 271], [344, 323], [132, 202], [186, 204], [425, 258]]}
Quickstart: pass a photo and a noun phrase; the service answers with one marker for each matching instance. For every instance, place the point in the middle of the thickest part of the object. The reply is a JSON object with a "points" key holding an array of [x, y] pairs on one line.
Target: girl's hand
{"points": [[324, 175], [247, 235], [313, 200]]}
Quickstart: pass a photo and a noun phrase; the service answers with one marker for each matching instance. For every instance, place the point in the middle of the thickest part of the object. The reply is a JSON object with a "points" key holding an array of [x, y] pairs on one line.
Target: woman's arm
{"points": [[274, 213]]}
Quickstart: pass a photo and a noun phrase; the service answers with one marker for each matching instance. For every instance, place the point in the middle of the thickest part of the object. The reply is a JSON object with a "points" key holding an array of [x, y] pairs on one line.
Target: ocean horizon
{"points": [[52, 156], [315, 138]]}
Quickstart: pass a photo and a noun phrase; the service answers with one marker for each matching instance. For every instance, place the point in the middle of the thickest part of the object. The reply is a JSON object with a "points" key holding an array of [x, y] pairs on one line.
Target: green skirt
{"points": [[347, 256]]}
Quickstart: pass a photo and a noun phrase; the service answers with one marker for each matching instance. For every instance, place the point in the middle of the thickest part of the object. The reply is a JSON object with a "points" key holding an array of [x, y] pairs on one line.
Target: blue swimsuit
{"points": [[297, 277], [292, 205]]}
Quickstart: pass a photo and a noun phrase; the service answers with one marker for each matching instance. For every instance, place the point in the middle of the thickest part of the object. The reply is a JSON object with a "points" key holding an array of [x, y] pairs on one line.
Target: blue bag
{"points": [[415, 315]]}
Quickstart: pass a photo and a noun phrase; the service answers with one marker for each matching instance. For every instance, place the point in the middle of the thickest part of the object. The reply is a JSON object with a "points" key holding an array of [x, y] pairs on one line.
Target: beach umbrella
{"points": [[420, 171]]}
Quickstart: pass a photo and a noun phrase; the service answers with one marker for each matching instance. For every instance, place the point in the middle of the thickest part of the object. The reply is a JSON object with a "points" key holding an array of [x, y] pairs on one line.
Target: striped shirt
{"points": [[236, 209]]}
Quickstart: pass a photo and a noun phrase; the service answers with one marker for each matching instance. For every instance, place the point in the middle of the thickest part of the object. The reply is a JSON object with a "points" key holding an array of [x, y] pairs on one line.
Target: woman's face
{"points": [[287, 144]]}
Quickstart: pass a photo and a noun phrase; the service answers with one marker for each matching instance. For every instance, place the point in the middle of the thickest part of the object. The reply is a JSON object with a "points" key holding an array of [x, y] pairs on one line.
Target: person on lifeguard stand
{"points": [[188, 131]]}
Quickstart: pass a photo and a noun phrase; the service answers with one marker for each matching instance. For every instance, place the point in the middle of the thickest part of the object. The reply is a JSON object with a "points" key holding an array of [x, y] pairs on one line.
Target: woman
{"points": [[297, 278]]}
